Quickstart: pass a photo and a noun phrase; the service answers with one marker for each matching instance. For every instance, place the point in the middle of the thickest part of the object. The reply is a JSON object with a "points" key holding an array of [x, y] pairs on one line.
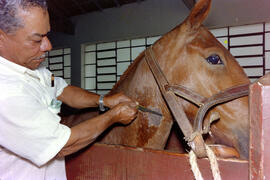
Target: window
{"points": [[249, 44], [58, 61], [104, 63]]}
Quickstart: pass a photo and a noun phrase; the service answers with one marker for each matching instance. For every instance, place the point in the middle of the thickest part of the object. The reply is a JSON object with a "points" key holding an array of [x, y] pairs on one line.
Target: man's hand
{"points": [[86, 132], [115, 99], [124, 112]]}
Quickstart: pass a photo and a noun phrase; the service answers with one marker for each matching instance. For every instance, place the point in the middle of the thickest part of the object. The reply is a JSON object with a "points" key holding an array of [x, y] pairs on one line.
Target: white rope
{"points": [[213, 162], [194, 166]]}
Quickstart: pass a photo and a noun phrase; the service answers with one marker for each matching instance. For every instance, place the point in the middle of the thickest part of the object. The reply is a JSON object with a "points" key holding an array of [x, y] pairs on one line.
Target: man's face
{"points": [[28, 45]]}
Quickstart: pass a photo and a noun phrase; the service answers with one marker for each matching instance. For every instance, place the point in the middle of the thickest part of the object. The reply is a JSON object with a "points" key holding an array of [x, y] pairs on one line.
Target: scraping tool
{"points": [[144, 109]]}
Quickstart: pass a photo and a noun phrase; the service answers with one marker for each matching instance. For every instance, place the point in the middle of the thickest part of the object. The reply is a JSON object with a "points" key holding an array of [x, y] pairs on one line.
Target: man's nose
{"points": [[46, 44]]}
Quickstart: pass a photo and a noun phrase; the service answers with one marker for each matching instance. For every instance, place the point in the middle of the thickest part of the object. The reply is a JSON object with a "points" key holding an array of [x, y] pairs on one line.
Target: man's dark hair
{"points": [[9, 22]]}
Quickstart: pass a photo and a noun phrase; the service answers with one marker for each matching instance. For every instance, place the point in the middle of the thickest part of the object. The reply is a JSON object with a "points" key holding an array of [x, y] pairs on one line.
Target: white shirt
{"points": [[30, 132]]}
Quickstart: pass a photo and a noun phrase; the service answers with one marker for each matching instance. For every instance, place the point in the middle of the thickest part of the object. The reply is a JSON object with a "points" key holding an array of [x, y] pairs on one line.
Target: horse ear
{"points": [[198, 14]]}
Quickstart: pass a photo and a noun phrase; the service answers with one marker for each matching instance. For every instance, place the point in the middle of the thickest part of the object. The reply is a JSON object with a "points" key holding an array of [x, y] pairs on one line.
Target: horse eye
{"points": [[214, 59]]}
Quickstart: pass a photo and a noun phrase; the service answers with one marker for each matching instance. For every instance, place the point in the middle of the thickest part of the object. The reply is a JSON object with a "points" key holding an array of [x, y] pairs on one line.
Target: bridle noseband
{"points": [[192, 134]]}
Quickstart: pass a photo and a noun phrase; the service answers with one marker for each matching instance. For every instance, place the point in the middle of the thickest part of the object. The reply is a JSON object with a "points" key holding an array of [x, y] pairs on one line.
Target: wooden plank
{"points": [[259, 105], [118, 162]]}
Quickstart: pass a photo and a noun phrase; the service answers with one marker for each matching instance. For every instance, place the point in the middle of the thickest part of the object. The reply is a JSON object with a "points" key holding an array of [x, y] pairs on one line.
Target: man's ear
{"points": [[2, 38]]}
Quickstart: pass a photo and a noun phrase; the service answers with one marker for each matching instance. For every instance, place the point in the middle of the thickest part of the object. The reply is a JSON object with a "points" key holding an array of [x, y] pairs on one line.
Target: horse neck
{"points": [[130, 71]]}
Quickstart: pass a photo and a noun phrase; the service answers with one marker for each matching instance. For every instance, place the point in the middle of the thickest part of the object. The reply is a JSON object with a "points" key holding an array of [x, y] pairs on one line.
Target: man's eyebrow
{"points": [[40, 35]]}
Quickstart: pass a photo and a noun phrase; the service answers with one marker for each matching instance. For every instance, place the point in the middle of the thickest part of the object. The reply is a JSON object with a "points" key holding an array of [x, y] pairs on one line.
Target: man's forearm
{"points": [[86, 132], [78, 98]]}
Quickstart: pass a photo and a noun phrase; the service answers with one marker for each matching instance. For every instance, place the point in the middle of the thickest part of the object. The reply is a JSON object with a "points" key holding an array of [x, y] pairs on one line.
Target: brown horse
{"points": [[190, 56]]}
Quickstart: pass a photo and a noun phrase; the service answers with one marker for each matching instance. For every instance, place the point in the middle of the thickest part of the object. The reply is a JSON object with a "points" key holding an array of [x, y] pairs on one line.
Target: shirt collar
{"points": [[18, 68]]}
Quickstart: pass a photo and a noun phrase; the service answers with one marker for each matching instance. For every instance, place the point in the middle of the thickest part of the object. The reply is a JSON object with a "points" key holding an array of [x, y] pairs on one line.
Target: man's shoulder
{"points": [[10, 82]]}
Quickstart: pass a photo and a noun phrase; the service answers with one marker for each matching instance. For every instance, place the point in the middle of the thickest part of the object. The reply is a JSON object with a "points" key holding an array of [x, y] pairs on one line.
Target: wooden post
{"points": [[259, 106]]}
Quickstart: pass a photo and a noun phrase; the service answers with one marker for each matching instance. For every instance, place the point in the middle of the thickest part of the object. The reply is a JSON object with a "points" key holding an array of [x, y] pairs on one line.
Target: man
{"points": [[32, 141]]}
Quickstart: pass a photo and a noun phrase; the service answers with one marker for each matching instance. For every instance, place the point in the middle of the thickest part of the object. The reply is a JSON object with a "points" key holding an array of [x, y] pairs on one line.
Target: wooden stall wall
{"points": [[108, 162]]}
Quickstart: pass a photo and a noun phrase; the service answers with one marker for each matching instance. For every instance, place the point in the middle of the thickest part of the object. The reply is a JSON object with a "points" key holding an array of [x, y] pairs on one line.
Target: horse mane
{"points": [[130, 68]]}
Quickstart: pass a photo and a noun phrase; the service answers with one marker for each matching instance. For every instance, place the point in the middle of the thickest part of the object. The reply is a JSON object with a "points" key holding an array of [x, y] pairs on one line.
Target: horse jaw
{"points": [[233, 128]]}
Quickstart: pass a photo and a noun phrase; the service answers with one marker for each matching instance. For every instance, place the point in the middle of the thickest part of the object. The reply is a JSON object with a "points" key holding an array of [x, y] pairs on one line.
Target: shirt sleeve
{"points": [[60, 85], [29, 129]]}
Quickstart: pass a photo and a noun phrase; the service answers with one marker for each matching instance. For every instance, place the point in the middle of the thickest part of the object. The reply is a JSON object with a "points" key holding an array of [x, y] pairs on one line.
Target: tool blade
{"points": [[144, 109]]}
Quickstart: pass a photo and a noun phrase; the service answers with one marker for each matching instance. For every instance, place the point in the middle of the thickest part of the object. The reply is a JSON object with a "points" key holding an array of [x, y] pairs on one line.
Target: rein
{"points": [[192, 134]]}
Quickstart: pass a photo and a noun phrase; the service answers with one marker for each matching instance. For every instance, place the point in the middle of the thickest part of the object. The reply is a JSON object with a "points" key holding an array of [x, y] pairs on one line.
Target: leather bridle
{"points": [[193, 135]]}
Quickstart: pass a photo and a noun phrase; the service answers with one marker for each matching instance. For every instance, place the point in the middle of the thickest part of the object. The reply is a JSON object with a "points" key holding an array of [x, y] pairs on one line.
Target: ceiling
{"points": [[69, 8], [223, 12], [61, 10]]}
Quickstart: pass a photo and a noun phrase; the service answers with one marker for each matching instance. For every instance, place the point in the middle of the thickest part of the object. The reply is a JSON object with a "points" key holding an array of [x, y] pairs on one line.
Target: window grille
{"points": [[104, 63], [58, 61]]}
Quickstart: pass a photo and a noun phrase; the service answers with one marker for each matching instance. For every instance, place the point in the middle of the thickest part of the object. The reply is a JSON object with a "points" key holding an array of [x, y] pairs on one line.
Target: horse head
{"points": [[192, 57]]}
